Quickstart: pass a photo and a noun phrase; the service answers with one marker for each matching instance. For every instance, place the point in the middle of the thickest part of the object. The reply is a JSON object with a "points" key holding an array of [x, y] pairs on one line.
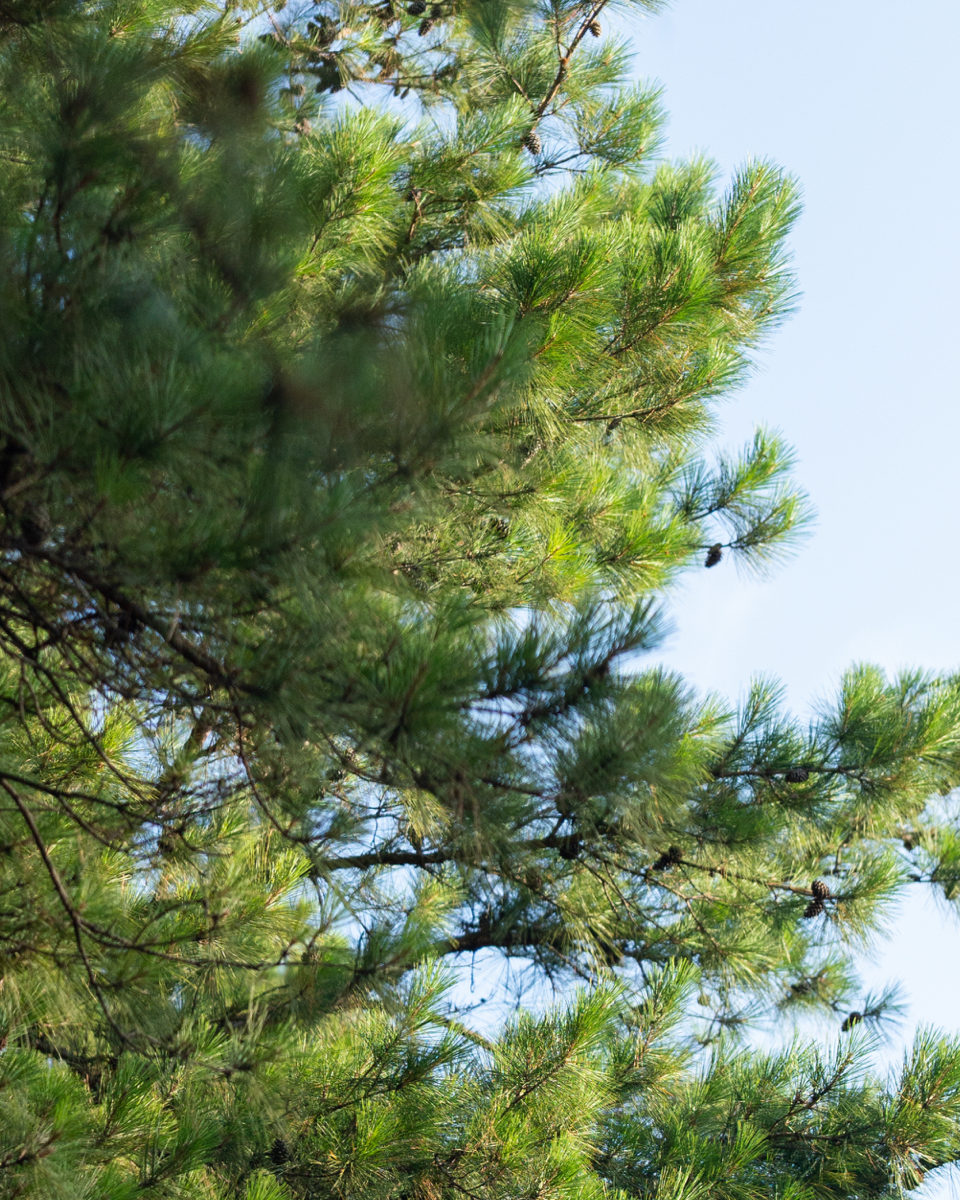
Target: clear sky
{"points": [[861, 101]]}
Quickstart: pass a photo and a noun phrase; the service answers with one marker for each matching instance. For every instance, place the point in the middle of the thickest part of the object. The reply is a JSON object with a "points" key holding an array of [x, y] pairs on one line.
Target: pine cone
{"points": [[425, 26], [714, 554], [417, 8], [813, 909], [594, 27], [854, 1019], [819, 889], [279, 1153], [532, 142], [35, 524], [120, 631], [668, 859], [570, 847], [797, 775], [322, 32], [328, 76]]}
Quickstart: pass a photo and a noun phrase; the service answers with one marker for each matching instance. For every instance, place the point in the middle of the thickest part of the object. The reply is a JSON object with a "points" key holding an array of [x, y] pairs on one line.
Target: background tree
{"points": [[348, 451]]}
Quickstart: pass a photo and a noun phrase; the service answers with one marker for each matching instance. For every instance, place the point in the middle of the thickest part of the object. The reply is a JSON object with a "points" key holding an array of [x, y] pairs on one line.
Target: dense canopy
{"points": [[357, 399]]}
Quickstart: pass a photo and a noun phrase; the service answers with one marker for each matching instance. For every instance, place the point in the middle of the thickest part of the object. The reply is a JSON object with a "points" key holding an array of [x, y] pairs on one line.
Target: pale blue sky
{"points": [[861, 101]]}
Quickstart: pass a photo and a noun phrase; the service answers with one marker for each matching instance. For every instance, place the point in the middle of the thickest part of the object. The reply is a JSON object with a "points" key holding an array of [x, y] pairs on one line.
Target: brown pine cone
{"points": [[532, 142], [569, 847], [819, 889], [714, 554], [668, 859], [279, 1152], [594, 27]]}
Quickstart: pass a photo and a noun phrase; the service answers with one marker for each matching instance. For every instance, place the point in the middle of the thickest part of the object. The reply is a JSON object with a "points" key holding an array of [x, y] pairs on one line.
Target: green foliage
{"points": [[347, 453]]}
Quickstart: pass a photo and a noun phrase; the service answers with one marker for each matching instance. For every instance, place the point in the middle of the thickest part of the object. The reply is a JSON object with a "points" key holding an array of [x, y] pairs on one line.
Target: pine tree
{"points": [[349, 450]]}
